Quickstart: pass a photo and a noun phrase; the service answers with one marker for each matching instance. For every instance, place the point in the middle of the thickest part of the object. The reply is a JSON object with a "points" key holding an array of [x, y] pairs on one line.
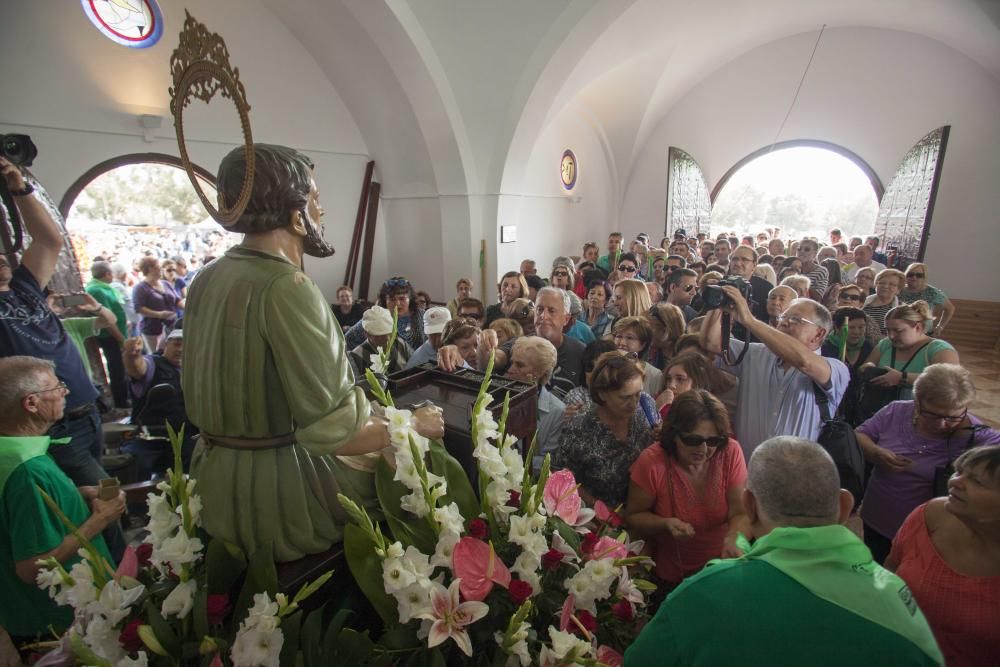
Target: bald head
{"points": [[794, 482]]}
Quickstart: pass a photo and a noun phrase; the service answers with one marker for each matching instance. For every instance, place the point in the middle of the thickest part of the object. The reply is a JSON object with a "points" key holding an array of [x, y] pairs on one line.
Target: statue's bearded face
{"points": [[314, 244]]}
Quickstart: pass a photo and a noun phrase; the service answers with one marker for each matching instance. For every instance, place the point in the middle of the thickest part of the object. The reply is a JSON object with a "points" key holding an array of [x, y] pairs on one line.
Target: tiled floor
{"points": [[985, 368]]}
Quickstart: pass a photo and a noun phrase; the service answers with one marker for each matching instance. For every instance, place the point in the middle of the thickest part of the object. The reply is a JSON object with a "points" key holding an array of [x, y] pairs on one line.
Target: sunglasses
{"points": [[915, 275], [851, 297], [397, 282], [471, 316], [625, 268], [695, 440], [560, 274]]}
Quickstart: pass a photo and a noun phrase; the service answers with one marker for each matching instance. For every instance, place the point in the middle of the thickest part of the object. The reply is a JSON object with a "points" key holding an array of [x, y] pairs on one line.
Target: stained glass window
{"points": [[137, 24]]}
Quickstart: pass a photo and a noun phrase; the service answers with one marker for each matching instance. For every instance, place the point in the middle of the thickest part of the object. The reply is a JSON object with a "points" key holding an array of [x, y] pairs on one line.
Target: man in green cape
{"points": [[806, 593], [266, 377]]}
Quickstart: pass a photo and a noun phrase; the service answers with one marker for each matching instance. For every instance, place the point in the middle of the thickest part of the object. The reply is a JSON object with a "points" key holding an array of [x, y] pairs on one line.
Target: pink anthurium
{"points": [[477, 565], [129, 566], [608, 547], [561, 497], [608, 656]]}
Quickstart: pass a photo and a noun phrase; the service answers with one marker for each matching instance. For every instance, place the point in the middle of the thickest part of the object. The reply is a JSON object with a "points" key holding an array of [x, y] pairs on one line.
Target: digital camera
{"points": [[714, 297]]}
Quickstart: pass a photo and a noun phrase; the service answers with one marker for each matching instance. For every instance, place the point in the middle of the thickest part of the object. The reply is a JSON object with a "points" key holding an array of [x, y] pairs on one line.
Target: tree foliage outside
{"points": [[802, 191], [141, 195]]}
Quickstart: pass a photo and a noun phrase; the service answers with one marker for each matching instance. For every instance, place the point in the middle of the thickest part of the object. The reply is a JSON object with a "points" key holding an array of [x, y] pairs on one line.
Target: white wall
{"points": [[551, 221], [876, 92], [85, 94]]}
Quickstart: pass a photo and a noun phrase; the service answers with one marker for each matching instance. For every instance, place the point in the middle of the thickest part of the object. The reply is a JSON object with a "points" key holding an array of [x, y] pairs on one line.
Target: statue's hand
{"points": [[429, 422]]}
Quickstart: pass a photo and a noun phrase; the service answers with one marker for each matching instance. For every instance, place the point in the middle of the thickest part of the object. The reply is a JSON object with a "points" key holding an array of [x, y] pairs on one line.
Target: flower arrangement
{"points": [[169, 603], [525, 574]]}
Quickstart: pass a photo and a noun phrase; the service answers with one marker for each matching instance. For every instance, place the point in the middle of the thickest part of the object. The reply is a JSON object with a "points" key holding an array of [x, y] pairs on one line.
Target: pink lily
{"points": [[608, 547], [129, 566], [450, 618], [475, 563], [608, 656]]}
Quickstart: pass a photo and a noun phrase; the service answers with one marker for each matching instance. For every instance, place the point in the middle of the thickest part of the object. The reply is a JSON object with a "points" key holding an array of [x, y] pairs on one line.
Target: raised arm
{"points": [[132, 357], [46, 238]]}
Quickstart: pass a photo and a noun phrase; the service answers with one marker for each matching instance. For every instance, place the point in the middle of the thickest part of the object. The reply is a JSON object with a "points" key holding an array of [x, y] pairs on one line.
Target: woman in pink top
{"points": [[948, 553], [685, 493]]}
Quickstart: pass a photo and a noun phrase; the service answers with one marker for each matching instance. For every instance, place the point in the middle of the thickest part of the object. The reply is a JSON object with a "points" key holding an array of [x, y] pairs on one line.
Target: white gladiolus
{"points": [[102, 638], [141, 660], [114, 601], [180, 600], [444, 549], [449, 518], [395, 575], [177, 550]]}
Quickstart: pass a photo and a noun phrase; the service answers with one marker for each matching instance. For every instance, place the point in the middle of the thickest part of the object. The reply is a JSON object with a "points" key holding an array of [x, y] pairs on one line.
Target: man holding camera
{"points": [[778, 374], [29, 327], [742, 263]]}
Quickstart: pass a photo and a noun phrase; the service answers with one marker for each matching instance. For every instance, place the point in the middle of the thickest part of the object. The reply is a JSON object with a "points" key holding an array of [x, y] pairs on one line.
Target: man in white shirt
{"points": [[862, 258]]}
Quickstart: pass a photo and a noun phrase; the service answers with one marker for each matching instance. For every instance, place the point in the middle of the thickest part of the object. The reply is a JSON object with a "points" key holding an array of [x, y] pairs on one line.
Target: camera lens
{"points": [[18, 149]]}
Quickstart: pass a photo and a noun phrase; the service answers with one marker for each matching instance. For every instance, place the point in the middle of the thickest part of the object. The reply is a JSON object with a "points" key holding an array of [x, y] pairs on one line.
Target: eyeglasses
{"points": [[795, 319], [560, 274], [397, 282], [851, 297], [625, 268], [471, 316], [695, 440], [59, 387], [915, 275], [948, 419]]}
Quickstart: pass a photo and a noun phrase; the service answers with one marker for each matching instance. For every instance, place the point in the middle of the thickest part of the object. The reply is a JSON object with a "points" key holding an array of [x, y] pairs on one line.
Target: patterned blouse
{"points": [[597, 459]]}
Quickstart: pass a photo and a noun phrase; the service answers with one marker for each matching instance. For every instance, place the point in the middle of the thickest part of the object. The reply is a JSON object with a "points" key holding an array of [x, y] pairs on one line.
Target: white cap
{"points": [[377, 321], [176, 333], [435, 318]]}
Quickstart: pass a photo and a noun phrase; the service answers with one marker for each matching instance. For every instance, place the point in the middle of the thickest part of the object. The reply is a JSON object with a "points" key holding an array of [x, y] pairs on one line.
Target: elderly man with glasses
{"points": [[778, 375], [32, 399]]}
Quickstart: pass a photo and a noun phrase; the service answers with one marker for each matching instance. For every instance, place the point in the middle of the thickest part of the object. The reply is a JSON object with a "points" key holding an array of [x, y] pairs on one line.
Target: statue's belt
{"points": [[249, 444]]}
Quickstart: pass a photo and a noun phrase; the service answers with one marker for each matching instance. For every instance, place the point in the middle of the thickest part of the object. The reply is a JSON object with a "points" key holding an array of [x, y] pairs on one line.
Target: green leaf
{"points": [[353, 648], [366, 567], [405, 526], [262, 577], [459, 488], [311, 636], [291, 627], [567, 533], [164, 633], [200, 611], [401, 637], [224, 563], [332, 638]]}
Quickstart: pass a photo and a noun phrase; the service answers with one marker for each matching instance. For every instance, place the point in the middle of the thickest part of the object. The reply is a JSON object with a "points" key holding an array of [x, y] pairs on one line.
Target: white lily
{"points": [[450, 618]]}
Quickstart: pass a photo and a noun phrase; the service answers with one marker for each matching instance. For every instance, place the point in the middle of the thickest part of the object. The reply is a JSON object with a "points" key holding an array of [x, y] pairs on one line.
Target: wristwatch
{"points": [[905, 376]]}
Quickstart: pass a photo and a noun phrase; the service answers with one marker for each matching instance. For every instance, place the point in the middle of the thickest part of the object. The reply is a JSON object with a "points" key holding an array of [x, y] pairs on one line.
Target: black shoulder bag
{"points": [[838, 439], [872, 397]]}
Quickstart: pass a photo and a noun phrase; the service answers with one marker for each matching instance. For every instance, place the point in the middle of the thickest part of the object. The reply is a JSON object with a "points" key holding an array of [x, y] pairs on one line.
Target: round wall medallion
{"points": [[568, 169], [137, 24]]}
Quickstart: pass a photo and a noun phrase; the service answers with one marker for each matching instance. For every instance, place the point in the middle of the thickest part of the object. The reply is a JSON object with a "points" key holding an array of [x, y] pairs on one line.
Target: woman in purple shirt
{"points": [[156, 303], [908, 440]]}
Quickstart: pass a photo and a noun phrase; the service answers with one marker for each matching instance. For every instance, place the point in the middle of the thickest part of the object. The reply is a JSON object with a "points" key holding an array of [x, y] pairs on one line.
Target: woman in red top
{"points": [[685, 493], [948, 553]]}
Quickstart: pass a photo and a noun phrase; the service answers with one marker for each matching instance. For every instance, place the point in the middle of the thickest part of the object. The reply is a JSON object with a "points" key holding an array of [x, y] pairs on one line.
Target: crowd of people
{"points": [[681, 383]]}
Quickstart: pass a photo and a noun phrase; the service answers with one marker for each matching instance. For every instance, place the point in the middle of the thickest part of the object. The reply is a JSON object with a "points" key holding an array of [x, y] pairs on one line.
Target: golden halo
{"points": [[200, 68]]}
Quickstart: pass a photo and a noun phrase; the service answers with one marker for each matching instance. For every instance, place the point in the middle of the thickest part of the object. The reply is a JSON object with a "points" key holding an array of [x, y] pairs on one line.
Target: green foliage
{"points": [[143, 194], [262, 577], [366, 566], [402, 524], [459, 488]]}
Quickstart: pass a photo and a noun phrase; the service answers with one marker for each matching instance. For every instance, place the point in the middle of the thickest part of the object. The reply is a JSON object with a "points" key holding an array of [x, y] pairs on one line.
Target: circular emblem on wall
{"points": [[568, 170], [137, 24]]}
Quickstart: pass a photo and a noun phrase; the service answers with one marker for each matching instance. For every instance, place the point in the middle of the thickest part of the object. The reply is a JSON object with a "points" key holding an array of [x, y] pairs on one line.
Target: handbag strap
{"points": [[892, 359], [822, 402]]}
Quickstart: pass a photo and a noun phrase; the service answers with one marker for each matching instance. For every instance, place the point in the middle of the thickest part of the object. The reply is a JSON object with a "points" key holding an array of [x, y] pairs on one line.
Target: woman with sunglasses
{"points": [[851, 296], [629, 267], [562, 277], [918, 289], [600, 444], [912, 442], [685, 494]]}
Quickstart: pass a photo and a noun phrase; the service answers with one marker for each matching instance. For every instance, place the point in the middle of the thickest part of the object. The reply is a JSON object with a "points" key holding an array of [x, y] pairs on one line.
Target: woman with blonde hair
{"points": [[630, 298], [888, 283], [766, 272], [908, 350], [918, 289], [507, 329], [667, 324]]}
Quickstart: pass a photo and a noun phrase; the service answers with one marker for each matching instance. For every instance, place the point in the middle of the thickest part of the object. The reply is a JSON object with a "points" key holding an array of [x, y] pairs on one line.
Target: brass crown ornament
{"points": [[200, 68]]}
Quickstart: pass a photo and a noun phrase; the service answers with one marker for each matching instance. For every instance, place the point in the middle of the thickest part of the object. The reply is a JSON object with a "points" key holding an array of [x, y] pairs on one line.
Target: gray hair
{"points": [[564, 261], [542, 352], [20, 376], [795, 482], [118, 269], [945, 386], [821, 314], [562, 294], [100, 269]]}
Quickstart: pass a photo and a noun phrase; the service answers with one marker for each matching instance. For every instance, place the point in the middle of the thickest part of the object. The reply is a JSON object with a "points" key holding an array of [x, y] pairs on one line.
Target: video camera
{"points": [[18, 149], [714, 297]]}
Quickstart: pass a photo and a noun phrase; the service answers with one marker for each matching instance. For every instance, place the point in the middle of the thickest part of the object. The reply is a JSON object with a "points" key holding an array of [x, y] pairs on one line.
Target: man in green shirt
{"points": [[111, 339], [32, 399], [806, 593]]}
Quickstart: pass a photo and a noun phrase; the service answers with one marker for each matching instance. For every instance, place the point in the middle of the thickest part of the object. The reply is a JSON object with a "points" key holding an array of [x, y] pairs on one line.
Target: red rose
{"points": [[519, 591], [623, 610], [515, 499], [615, 519], [143, 552], [216, 608], [129, 637], [552, 558], [587, 620], [478, 529], [589, 542]]}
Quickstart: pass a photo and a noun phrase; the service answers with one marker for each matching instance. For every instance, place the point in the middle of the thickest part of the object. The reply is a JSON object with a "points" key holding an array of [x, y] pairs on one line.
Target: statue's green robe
{"points": [[264, 357]]}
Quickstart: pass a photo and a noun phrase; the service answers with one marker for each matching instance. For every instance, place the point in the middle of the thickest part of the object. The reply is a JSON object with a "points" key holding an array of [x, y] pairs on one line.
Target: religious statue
{"points": [[266, 376]]}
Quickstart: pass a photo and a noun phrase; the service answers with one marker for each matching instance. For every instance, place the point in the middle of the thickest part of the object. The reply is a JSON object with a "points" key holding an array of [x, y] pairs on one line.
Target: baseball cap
{"points": [[377, 321], [176, 333], [435, 318]]}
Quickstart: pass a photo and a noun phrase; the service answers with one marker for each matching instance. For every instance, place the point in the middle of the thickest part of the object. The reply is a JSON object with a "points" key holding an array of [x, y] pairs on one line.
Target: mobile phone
{"points": [[72, 300]]}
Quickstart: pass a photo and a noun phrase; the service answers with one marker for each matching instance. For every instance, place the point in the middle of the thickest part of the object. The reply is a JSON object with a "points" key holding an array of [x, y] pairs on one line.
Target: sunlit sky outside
{"points": [[806, 191]]}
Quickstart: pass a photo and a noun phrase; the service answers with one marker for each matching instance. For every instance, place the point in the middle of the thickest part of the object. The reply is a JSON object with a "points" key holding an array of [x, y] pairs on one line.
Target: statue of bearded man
{"points": [[267, 379]]}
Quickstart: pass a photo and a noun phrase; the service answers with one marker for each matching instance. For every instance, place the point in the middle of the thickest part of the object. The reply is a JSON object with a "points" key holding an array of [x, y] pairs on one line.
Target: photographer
{"points": [[778, 374], [29, 327]]}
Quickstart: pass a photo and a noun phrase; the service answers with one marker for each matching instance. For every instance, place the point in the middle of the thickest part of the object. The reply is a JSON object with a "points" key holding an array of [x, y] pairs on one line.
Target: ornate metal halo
{"points": [[200, 68]]}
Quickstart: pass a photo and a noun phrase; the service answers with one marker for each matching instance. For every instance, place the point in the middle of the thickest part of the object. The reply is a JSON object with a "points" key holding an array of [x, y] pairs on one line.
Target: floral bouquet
{"points": [[524, 575], [168, 603]]}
